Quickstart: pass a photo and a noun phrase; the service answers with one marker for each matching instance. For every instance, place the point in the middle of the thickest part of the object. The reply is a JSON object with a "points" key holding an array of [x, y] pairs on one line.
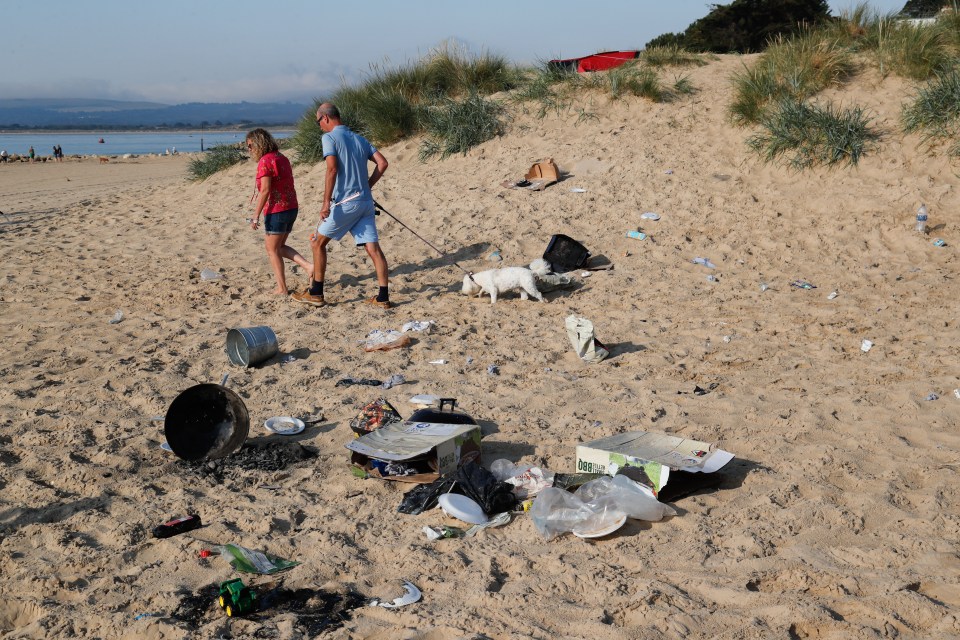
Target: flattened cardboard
{"points": [[656, 453], [444, 446]]}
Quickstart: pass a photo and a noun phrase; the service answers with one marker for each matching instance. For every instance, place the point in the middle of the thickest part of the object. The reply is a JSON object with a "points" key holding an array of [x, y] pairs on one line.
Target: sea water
{"points": [[115, 144]]}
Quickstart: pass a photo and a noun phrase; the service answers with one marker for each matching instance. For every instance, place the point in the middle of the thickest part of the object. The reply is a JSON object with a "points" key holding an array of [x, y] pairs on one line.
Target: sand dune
{"points": [[839, 518]]}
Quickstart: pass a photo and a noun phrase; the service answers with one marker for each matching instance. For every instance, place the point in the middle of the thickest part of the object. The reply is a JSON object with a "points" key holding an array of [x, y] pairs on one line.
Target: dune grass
{"points": [[456, 127], [795, 68], [803, 135], [391, 103], [215, 159], [671, 56], [935, 112]]}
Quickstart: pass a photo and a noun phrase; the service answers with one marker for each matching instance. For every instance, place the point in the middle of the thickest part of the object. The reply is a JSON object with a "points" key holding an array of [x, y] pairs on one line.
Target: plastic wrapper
{"points": [[375, 415], [424, 497], [527, 480], [556, 511], [631, 497]]}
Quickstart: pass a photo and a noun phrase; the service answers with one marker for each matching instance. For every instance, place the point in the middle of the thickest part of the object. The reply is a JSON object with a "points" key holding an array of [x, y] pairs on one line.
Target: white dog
{"points": [[497, 281]]}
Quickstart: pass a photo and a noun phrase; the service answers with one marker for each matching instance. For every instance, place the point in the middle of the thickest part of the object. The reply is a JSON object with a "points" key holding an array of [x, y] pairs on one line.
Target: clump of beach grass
{"points": [[215, 159], [804, 135], [935, 112], [795, 68], [634, 80], [671, 55], [455, 127], [390, 104]]}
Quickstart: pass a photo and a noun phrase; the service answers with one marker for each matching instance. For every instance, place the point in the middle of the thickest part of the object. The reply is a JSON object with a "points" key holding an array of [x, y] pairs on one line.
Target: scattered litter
{"points": [[637, 235], [249, 561], [931, 397], [370, 382], [764, 286], [585, 274], [287, 359], [497, 521], [547, 282], [210, 274], [727, 338], [596, 509], [802, 284], [392, 381], [117, 317], [418, 325], [469, 361], [373, 416], [700, 391], [412, 595], [565, 254], [436, 533], [495, 256], [526, 480], [711, 278], [578, 190], [141, 616], [177, 526], [440, 361], [938, 242], [956, 394], [166, 447], [704, 262], [833, 294], [669, 172], [586, 345], [424, 400], [649, 215], [866, 345], [379, 340], [722, 177], [493, 370], [158, 418]]}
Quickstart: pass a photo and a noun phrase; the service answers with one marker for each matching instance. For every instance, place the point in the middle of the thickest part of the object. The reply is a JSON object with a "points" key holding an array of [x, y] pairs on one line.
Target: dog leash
{"points": [[427, 242]]}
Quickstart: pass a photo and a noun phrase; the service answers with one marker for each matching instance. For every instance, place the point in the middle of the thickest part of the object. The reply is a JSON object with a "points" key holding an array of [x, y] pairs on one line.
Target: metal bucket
{"points": [[206, 421], [250, 346]]}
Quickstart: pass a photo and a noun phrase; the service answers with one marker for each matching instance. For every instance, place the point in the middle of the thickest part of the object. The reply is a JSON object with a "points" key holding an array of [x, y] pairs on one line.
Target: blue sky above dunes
{"points": [[230, 51]]}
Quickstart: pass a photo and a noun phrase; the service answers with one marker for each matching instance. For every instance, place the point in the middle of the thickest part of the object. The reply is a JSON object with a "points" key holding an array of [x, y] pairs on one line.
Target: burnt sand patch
{"points": [[268, 456]]}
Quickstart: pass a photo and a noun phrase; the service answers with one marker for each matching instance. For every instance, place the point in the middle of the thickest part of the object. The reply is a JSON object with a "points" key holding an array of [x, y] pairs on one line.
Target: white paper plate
{"points": [[462, 508], [603, 530], [284, 425], [650, 215]]}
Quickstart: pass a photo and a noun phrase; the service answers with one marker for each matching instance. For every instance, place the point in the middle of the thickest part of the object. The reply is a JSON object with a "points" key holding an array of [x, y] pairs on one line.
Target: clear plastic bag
{"points": [[631, 497], [556, 511], [596, 507]]}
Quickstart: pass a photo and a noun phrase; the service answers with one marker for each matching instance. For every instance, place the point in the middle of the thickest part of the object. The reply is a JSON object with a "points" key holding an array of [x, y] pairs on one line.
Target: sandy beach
{"points": [[838, 518]]}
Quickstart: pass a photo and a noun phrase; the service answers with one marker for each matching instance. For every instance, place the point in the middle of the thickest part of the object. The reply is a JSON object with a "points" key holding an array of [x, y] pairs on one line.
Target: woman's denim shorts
{"points": [[279, 223]]}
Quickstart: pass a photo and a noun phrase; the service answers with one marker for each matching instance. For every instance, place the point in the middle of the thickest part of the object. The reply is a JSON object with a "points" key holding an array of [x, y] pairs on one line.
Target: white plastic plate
{"points": [[462, 508], [603, 530], [284, 425]]}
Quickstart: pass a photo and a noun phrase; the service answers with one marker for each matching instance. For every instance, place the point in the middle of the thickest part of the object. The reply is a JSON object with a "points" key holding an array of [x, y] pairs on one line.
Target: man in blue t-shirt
{"points": [[347, 204]]}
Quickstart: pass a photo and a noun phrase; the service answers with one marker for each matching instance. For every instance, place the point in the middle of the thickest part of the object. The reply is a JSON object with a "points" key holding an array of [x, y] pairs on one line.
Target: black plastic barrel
{"points": [[445, 414], [206, 421]]}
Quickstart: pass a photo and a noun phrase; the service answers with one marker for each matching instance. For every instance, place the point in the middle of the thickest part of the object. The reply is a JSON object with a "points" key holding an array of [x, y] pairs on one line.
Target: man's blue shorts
{"points": [[357, 217], [277, 224]]}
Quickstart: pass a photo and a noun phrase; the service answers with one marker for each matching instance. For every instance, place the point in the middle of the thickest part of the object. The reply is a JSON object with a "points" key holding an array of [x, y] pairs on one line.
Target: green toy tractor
{"points": [[236, 598]]}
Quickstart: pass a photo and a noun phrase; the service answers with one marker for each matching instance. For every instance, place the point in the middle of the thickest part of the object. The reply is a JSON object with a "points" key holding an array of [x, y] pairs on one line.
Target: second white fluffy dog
{"points": [[497, 281]]}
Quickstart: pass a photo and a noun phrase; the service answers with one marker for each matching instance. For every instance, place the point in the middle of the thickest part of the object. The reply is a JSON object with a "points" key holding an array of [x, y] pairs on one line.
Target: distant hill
{"points": [[51, 113]]}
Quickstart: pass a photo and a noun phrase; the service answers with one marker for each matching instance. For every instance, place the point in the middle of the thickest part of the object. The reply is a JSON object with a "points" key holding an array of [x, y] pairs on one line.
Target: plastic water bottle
{"points": [[922, 219]]}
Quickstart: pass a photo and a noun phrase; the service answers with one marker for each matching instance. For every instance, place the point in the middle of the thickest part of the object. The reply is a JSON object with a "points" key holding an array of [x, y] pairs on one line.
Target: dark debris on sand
{"points": [[270, 456]]}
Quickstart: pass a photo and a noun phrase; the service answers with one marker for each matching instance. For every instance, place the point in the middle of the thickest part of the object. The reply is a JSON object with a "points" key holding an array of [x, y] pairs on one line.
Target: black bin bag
{"points": [[565, 254]]}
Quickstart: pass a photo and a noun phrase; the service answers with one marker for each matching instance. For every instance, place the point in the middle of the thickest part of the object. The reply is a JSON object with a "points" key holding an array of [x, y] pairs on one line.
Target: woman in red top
{"points": [[276, 201]]}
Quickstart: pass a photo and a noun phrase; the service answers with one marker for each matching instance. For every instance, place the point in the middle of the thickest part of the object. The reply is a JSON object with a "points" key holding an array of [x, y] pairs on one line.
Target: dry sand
{"points": [[839, 517]]}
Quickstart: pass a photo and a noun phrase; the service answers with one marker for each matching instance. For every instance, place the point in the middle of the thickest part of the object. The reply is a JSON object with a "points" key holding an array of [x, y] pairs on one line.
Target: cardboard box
{"points": [[442, 447], [656, 453]]}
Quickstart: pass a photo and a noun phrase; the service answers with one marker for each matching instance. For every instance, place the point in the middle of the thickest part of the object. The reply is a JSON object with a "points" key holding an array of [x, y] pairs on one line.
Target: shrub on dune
{"points": [[805, 135], [456, 127], [935, 113], [215, 159]]}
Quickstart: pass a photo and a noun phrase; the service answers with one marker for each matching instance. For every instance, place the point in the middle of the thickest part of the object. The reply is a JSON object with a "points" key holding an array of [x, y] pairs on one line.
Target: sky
{"points": [[176, 51]]}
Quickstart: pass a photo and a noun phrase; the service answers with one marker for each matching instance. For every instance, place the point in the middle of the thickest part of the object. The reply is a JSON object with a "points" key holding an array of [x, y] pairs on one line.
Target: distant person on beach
{"points": [[4, 155], [276, 201], [32, 154], [347, 204], [58, 153]]}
